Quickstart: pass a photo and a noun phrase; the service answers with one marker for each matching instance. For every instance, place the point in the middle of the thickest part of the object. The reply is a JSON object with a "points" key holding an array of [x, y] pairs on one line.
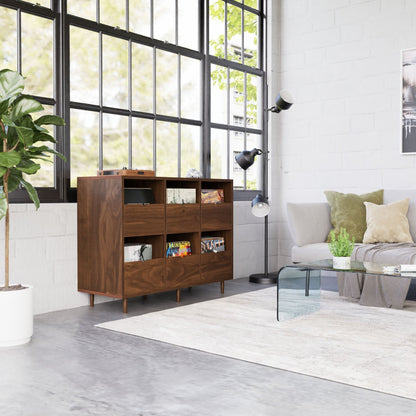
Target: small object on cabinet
{"points": [[125, 172], [212, 244], [180, 196], [137, 252], [212, 196], [178, 249], [138, 196]]}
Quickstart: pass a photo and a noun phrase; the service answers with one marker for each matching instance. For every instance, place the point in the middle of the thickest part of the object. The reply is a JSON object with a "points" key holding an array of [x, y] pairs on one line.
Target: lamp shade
{"points": [[283, 101], [259, 206], [246, 158]]}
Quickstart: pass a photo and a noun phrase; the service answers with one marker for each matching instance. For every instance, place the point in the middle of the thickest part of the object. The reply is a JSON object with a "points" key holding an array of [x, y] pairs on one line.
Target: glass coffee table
{"points": [[299, 285]]}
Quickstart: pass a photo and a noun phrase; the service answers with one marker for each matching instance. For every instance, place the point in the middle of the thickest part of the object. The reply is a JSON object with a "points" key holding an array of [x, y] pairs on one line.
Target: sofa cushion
{"points": [[348, 211], [387, 223], [308, 222], [391, 195]]}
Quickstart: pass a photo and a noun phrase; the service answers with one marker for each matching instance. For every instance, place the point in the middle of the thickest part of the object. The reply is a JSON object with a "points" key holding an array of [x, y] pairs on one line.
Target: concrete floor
{"points": [[72, 368]]}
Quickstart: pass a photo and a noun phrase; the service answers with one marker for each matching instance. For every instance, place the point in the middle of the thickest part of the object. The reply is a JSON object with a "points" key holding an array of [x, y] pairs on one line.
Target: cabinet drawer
{"points": [[144, 277], [182, 218], [183, 271], [216, 267], [144, 220], [216, 217]]}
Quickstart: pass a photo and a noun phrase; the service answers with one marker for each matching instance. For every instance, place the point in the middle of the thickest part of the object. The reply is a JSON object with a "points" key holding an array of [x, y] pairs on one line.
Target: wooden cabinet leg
{"points": [[124, 305], [222, 287], [178, 295], [91, 300]]}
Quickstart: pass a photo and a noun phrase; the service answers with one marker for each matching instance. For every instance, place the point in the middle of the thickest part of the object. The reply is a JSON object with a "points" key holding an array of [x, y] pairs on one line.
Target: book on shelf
{"points": [[212, 196], [178, 249], [137, 252], [212, 244], [180, 195]]}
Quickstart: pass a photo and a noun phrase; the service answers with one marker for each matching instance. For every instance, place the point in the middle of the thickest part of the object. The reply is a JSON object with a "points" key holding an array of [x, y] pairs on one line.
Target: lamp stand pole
{"points": [[265, 278]]}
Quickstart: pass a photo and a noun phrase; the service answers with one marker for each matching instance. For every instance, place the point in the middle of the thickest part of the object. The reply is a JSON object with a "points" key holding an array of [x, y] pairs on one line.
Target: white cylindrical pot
{"points": [[343, 263], [16, 316]]}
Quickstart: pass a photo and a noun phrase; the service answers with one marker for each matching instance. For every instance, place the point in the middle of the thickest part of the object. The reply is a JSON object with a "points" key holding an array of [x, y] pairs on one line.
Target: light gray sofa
{"points": [[310, 223]]}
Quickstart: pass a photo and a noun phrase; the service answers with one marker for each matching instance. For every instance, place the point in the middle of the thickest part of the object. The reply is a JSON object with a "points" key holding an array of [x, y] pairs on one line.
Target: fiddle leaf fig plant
{"points": [[23, 144]]}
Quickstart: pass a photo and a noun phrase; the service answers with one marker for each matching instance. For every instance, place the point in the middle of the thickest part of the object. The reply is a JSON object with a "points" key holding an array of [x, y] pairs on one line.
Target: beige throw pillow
{"points": [[387, 223]]}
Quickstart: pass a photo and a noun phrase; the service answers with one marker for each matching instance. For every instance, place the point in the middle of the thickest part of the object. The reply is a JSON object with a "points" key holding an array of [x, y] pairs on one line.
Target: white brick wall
{"points": [[341, 59]]}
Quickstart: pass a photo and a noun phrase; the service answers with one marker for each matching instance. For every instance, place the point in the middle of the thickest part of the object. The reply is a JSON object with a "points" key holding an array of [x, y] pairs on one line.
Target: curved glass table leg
{"points": [[298, 292]]}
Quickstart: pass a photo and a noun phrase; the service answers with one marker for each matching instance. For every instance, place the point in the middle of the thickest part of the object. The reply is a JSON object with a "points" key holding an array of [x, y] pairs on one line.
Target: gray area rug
{"points": [[373, 348]]}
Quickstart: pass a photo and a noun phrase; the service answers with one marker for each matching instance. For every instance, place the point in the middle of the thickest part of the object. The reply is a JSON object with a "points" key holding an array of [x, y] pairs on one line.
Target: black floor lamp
{"points": [[259, 205]]}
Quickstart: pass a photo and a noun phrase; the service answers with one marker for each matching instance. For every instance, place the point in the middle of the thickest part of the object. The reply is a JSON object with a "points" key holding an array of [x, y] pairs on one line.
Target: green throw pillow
{"points": [[348, 211]]}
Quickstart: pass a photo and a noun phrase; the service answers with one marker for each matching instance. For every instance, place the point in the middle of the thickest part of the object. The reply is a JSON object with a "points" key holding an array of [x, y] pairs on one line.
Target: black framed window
{"points": [[145, 84]]}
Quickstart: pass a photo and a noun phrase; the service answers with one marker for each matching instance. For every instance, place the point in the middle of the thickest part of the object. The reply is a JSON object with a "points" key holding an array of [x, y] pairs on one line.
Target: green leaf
{"points": [[9, 159], [55, 120], [4, 105], [11, 84], [39, 150], [43, 137], [25, 105], [25, 135], [3, 204], [27, 166], [3, 170], [31, 191], [14, 180]]}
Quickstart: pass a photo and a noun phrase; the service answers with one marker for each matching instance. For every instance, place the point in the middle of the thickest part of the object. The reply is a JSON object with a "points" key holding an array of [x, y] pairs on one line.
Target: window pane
{"points": [[237, 98], [37, 35], [250, 40], [219, 85], [84, 144], [254, 100], [82, 8], [142, 143], [237, 146], [115, 142], [45, 175], [113, 13], [44, 3], [234, 33], [139, 20], [142, 78], [188, 20], [164, 20], [190, 148], [84, 66], [8, 39], [166, 83], [115, 72], [253, 179], [251, 3], [190, 88], [219, 154], [166, 149], [216, 28]]}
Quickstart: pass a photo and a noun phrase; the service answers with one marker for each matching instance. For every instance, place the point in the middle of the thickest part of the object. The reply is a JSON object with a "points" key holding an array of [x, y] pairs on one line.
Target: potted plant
{"points": [[341, 248], [22, 145]]}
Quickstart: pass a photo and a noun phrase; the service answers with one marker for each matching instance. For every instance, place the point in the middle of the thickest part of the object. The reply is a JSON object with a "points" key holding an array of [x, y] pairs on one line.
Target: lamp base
{"points": [[263, 279]]}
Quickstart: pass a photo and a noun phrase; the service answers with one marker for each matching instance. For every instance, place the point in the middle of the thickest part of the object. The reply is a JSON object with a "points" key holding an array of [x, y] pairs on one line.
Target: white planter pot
{"points": [[16, 316], [343, 263]]}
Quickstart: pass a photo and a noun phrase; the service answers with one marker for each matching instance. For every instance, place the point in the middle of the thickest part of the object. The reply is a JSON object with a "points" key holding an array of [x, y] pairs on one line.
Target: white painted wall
{"points": [[341, 59]]}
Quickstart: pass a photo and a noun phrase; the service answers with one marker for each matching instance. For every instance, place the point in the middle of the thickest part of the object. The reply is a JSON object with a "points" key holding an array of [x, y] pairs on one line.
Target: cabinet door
{"points": [[144, 277], [216, 217], [144, 220], [182, 272], [216, 267], [182, 218]]}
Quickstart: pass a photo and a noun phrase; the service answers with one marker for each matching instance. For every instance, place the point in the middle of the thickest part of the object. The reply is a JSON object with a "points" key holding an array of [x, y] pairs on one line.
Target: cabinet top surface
{"points": [[103, 177]]}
